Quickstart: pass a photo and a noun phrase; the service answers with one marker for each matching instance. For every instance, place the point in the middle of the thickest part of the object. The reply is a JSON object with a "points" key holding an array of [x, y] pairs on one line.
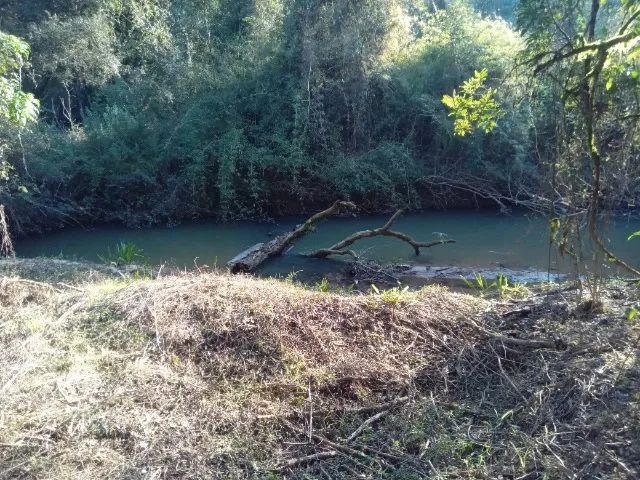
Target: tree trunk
{"points": [[6, 246], [253, 257]]}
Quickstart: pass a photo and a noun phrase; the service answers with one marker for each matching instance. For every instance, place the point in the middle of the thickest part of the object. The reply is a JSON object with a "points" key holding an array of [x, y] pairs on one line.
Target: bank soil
{"points": [[206, 375]]}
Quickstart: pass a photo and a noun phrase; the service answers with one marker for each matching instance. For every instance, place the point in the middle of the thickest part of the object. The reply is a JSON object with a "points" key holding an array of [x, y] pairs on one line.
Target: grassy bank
{"points": [[212, 376]]}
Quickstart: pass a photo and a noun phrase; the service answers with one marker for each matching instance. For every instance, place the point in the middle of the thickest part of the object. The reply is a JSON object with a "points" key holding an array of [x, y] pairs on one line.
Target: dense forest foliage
{"points": [[166, 110]]}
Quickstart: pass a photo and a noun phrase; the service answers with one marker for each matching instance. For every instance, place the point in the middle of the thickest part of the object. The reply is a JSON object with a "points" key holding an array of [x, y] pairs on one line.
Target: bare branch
{"points": [[385, 230]]}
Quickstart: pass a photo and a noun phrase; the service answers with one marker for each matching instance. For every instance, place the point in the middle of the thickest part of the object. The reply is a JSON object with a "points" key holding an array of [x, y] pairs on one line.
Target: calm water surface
{"points": [[484, 239]]}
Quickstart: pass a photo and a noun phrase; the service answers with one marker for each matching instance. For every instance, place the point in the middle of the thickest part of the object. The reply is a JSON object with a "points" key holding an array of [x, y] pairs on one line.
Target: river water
{"points": [[485, 239]]}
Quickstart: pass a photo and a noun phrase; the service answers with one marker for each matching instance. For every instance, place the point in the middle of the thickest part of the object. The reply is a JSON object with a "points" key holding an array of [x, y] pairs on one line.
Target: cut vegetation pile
{"points": [[214, 376]]}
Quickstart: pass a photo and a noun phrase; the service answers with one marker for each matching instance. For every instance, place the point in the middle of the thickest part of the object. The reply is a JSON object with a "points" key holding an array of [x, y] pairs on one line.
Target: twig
{"points": [[70, 311], [533, 344], [310, 413], [510, 382], [33, 282], [325, 473], [307, 459], [373, 408], [365, 424], [71, 287], [336, 446]]}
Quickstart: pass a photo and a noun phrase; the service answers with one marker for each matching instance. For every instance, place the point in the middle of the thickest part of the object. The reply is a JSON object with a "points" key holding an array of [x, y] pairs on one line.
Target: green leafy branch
{"points": [[17, 106], [475, 106]]}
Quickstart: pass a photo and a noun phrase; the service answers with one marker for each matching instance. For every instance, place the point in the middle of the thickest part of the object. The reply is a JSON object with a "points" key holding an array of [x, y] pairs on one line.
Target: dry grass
{"points": [[215, 376]]}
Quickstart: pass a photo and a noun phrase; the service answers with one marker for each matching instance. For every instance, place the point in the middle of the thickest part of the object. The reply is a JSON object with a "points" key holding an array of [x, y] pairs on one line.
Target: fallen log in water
{"points": [[251, 258], [255, 256]]}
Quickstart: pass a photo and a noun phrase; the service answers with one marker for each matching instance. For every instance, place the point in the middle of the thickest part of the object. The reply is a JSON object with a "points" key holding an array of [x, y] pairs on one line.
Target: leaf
{"points": [[634, 235], [631, 313], [609, 84], [475, 107]]}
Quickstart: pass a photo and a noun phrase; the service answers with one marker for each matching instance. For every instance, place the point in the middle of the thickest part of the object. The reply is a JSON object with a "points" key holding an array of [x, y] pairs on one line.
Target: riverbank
{"points": [[205, 375]]}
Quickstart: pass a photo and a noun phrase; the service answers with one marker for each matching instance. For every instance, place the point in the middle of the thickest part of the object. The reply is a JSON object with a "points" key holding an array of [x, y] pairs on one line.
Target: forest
{"points": [[505, 134], [158, 111]]}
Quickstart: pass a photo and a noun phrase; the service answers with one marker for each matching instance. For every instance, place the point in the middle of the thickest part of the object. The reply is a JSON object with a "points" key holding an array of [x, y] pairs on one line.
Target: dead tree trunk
{"points": [[340, 248], [255, 256]]}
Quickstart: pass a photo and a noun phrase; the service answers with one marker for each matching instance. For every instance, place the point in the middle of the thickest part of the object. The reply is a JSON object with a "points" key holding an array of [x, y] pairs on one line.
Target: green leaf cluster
{"points": [[475, 106], [16, 106]]}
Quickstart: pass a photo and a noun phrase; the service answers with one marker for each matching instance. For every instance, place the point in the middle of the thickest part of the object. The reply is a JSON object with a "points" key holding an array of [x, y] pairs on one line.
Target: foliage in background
{"points": [[17, 109], [16, 106], [160, 111]]}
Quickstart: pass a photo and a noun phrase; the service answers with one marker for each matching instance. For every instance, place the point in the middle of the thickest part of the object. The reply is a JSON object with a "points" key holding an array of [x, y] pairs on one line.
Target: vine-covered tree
{"points": [[16, 107], [589, 50]]}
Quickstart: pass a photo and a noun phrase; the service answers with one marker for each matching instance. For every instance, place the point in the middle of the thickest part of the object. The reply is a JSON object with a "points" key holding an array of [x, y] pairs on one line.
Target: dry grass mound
{"points": [[281, 332], [192, 376]]}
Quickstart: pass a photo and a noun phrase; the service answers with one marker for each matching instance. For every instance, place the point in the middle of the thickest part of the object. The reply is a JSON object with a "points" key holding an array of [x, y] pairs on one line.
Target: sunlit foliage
{"points": [[16, 106], [475, 106]]}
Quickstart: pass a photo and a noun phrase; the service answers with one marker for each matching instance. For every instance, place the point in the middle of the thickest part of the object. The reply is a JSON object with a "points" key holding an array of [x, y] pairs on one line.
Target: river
{"points": [[485, 239]]}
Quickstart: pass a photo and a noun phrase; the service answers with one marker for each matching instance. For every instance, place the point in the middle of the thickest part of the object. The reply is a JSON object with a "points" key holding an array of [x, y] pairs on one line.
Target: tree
{"points": [[587, 48], [583, 54], [16, 107]]}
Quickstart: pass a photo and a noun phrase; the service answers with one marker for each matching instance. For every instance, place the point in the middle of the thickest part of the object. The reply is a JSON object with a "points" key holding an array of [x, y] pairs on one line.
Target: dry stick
{"points": [[373, 408], [368, 409], [310, 413], [508, 379], [365, 424], [307, 459], [385, 230], [336, 446], [66, 285], [533, 344], [70, 311], [325, 473], [35, 283]]}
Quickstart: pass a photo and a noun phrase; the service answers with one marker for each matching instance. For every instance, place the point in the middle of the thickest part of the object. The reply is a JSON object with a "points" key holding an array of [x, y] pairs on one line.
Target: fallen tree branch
{"points": [[255, 256], [385, 230], [365, 424], [306, 459], [558, 344]]}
